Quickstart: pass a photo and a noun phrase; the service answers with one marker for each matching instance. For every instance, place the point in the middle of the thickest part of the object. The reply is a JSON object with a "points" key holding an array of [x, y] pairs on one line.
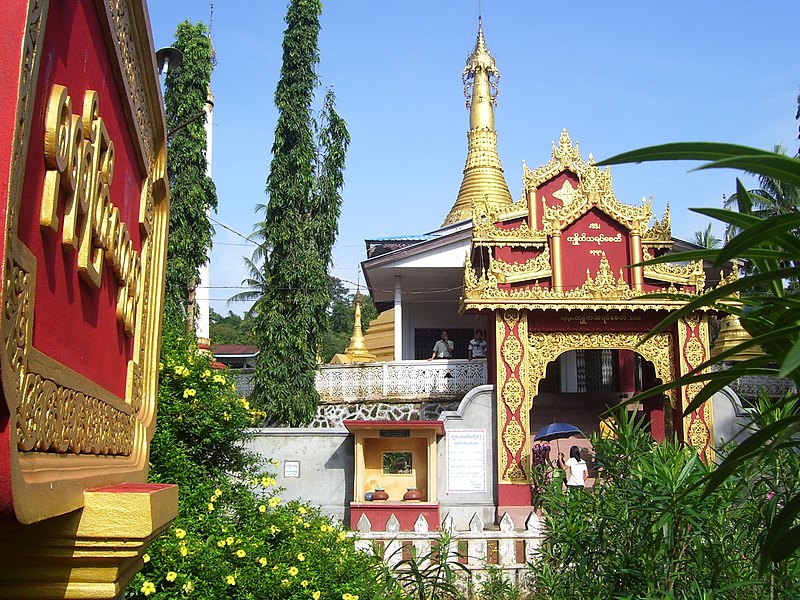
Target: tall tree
{"points": [[192, 192], [299, 227]]}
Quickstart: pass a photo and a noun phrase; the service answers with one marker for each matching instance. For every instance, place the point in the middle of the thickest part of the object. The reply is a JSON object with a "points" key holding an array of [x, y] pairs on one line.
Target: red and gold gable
{"points": [[85, 219], [570, 244]]}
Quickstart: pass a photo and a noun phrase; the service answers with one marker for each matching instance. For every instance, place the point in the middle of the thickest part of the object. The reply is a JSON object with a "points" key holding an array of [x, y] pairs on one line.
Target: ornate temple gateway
{"points": [[553, 271], [548, 278]]}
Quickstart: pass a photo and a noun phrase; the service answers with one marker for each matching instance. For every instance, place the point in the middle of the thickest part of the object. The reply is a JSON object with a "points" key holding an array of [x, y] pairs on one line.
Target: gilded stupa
{"points": [[483, 181]]}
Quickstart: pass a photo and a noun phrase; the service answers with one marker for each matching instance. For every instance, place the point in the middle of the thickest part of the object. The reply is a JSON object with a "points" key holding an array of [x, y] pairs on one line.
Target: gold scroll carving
{"points": [[513, 418], [698, 428], [544, 348]]}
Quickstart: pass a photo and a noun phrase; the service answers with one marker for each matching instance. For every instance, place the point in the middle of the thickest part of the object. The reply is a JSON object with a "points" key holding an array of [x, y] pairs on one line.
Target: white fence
{"points": [[409, 378], [507, 549]]}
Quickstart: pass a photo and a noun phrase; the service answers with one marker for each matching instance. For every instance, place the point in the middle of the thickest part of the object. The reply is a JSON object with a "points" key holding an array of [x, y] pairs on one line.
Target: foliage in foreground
{"points": [[234, 538], [649, 530], [767, 309]]}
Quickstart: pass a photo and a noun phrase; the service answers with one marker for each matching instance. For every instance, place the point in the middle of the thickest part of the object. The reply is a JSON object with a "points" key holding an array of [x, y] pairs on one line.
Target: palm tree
{"points": [[773, 196], [706, 238]]}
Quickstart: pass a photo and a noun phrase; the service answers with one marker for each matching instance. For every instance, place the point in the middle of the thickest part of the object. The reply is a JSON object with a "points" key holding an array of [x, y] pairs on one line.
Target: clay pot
{"points": [[379, 494], [412, 494]]}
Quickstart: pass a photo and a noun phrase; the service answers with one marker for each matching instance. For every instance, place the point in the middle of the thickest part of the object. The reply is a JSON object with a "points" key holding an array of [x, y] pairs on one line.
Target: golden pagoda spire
{"points": [[483, 174], [357, 350]]}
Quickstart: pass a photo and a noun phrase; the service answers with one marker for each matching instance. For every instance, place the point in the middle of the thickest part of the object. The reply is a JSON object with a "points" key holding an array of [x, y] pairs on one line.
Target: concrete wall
{"points": [[730, 418], [326, 465], [476, 412]]}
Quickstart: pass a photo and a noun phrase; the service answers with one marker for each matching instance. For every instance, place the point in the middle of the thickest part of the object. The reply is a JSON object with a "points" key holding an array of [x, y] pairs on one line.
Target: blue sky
{"points": [[618, 75]]}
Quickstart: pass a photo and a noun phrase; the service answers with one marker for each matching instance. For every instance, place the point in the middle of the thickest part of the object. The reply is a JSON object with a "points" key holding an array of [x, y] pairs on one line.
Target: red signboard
{"points": [[86, 214]]}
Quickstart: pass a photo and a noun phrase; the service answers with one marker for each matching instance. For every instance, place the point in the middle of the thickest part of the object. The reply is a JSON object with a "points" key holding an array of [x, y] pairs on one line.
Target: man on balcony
{"points": [[477, 346], [443, 348]]}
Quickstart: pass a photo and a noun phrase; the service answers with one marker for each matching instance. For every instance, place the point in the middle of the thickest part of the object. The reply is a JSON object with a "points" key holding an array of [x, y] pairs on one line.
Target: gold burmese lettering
{"points": [[79, 157], [581, 238]]}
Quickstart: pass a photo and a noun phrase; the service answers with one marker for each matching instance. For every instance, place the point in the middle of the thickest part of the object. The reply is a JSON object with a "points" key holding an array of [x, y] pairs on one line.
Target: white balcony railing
{"points": [[403, 379]]}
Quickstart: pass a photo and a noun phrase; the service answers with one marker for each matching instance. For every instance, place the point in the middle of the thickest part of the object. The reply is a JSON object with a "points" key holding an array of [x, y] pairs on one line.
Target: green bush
{"points": [[234, 538], [650, 529]]}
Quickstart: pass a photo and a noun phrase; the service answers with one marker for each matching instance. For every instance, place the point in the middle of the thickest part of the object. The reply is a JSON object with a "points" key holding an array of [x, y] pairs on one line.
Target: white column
{"points": [[202, 293], [398, 319]]}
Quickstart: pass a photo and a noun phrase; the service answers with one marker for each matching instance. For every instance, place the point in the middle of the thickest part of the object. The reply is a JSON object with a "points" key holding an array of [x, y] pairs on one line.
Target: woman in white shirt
{"points": [[576, 468]]}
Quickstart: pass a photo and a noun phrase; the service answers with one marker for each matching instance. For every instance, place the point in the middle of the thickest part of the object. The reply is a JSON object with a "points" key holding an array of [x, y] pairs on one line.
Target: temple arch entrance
{"points": [[581, 385], [574, 377]]}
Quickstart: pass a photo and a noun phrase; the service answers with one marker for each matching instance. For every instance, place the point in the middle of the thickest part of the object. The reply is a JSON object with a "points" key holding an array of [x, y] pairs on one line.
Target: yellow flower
{"points": [[241, 553], [210, 507], [229, 540], [189, 392], [302, 510], [262, 508], [274, 529], [230, 580], [226, 416], [221, 543], [307, 525], [146, 558], [325, 528], [267, 481], [180, 533], [188, 587], [341, 536], [262, 561], [148, 587], [245, 404], [218, 379], [301, 557], [205, 374], [184, 551], [316, 595], [304, 583], [285, 582], [274, 501], [171, 576], [293, 571], [347, 596]]}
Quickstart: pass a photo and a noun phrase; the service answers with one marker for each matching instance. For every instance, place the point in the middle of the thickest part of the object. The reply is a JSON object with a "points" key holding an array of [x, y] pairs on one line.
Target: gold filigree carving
{"points": [[514, 437], [129, 60], [693, 332], [512, 394], [688, 274], [486, 232], [535, 268], [544, 348], [512, 352], [566, 194], [660, 232]]}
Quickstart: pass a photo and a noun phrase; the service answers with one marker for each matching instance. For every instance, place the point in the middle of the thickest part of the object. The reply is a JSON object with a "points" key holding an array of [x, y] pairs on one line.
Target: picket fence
{"points": [[478, 549]]}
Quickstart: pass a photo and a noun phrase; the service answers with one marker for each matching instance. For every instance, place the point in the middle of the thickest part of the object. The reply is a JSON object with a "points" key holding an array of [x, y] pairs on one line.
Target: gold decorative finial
{"points": [[483, 173]]}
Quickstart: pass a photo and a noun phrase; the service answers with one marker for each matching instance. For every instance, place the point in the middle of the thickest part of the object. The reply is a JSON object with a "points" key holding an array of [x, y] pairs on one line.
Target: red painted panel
{"points": [[407, 514], [546, 191], [593, 321], [75, 324], [513, 494], [583, 244]]}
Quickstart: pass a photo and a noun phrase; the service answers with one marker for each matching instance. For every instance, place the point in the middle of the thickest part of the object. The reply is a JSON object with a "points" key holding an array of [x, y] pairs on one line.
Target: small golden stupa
{"points": [[357, 351], [731, 334]]}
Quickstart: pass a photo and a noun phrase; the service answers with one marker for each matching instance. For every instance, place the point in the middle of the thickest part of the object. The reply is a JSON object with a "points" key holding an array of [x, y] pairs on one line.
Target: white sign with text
{"points": [[466, 461]]}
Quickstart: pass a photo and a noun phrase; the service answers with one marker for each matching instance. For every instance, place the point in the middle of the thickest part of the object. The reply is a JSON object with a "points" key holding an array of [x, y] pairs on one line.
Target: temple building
{"points": [[548, 280]]}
